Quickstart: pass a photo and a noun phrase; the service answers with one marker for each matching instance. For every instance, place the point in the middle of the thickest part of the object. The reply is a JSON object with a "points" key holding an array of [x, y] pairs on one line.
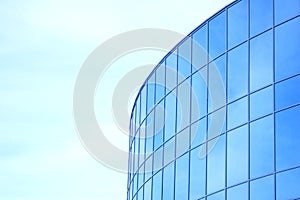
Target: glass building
{"points": [[219, 117]]}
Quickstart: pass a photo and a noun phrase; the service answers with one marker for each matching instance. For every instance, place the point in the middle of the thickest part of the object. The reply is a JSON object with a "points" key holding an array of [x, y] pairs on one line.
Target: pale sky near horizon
{"points": [[43, 45]]}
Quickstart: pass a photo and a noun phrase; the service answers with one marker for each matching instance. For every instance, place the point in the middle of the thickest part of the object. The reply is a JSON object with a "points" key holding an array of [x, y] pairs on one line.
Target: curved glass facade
{"points": [[219, 117]]}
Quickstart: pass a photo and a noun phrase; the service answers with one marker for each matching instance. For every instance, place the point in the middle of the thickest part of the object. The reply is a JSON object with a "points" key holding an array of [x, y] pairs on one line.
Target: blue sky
{"points": [[43, 45]]}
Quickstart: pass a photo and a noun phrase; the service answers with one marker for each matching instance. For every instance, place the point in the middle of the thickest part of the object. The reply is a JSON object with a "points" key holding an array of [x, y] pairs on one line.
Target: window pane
{"points": [[287, 138], [261, 61], [217, 196], [237, 113], [237, 23], [288, 184], [262, 147], [150, 95], [287, 48], [216, 165], [168, 182], [262, 188], [182, 164], [261, 16], [159, 125], [184, 60], [217, 30], [261, 103], [199, 43], [147, 192], [285, 10], [237, 156], [287, 93], [170, 116], [238, 192], [199, 94], [197, 174], [237, 72], [198, 132], [182, 142], [143, 102], [157, 186], [216, 70], [160, 83], [171, 71], [183, 104]]}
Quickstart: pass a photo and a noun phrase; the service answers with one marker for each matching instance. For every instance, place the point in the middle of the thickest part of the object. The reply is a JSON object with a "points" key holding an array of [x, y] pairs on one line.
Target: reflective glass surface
{"points": [[287, 37], [181, 146], [237, 72], [237, 155]]}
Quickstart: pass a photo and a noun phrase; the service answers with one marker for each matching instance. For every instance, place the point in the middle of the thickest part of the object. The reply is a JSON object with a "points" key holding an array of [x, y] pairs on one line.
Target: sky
{"points": [[43, 46]]}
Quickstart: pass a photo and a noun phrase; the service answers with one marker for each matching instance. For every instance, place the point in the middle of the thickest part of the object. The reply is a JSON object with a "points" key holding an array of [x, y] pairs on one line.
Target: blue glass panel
{"points": [[168, 182], [262, 147], [217, 196], [216, 123], [169, 151], [287, 93], [138, 112], [261, 61], [199, 94], [141, 194], [199, 48], [182, 178], [237, 113], [237, 23], [150, 94], [238, 192], [261, 16], [288, 184], [238, 72], [287, 138], [143, 102], [261, 103], [160, 83], [159, 125], [237, 156], [285, 10], [147, 190], [216, 165], [198, 130], [157, 160], [262, 188], [157, 186], [287, 48], [182, 142], [184, 60], [217, 35], [148, 167], [170, 115], [171, 71], [198, 175], [149, 134], [183, 104], [213, 79]]}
